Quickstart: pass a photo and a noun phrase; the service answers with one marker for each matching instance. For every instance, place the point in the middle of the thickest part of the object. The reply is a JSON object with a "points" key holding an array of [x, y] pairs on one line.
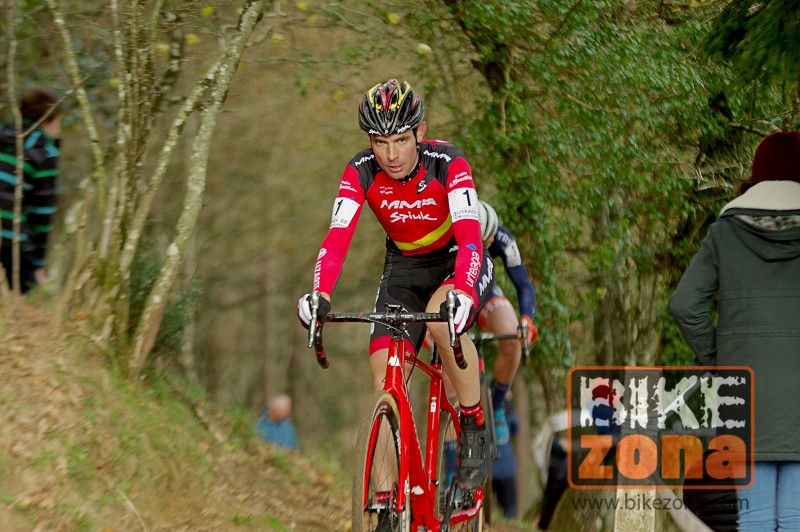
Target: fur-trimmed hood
{"points": [[768, 217]]}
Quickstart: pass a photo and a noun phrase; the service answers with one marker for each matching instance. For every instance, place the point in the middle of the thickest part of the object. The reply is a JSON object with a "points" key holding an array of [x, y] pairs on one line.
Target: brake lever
{"points": [[455, 341], [312, 328], [451, 314], [523, 328]]}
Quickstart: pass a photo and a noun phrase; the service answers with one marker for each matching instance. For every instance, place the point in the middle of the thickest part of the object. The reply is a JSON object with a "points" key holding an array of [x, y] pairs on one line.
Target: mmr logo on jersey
{"points": [[438, 155], [402, 204]]}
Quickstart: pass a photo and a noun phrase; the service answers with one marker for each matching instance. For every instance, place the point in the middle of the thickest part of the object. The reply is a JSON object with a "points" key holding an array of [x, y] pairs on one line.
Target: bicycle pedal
{"points": [[380, 503], [468, 500], [461, 501]]}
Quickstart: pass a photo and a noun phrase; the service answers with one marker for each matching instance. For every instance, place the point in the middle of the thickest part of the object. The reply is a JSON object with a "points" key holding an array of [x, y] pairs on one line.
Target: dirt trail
{"points": [[82, 449]]}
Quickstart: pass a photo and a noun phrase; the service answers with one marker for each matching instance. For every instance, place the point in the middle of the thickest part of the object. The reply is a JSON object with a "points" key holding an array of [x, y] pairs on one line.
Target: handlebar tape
{"points": [[458, 353]]}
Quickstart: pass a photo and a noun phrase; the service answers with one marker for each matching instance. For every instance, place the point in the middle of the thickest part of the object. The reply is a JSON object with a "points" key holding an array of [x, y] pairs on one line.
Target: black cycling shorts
{"points": [[410, 281]]}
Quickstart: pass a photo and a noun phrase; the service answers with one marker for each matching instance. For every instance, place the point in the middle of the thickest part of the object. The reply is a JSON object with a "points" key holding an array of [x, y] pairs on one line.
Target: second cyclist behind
{"points": [[498, 316], [422, 193]]}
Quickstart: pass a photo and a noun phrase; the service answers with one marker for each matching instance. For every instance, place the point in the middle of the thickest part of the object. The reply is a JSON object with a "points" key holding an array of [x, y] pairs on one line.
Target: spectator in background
{"points": [[275, 424], [504, 466], [556, 484], [41, 120], [748, 267]]}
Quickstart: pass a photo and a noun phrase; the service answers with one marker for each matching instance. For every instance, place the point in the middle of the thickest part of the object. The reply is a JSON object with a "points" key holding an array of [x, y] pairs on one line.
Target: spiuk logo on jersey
{"points": [[411, 210], [422, 186], [404, 217]]}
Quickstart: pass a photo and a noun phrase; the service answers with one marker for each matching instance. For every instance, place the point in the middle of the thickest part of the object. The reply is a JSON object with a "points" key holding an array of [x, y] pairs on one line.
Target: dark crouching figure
{"points": [[41, 119]]}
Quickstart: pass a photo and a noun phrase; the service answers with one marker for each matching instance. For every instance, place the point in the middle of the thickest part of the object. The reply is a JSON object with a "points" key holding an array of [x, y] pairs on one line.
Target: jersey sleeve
{"points": [[507, 249], [346, 211], [463, 202]]}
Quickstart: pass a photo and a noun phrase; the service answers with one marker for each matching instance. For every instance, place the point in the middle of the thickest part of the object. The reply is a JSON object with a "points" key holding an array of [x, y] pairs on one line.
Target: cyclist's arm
{"points": [[344, 218], [508, 251], [463, 201]]}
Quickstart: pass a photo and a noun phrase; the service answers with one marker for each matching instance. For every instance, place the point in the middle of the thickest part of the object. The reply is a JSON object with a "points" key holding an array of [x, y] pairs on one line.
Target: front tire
{"points": [[376, 479], [488, 414]]}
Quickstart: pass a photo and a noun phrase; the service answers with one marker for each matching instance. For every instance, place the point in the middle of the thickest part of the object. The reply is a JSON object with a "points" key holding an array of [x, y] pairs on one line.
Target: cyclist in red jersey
{"points": [[423, 195]]}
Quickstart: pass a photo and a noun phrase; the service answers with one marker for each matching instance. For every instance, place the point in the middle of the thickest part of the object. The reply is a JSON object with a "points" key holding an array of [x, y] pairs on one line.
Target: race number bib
{"points": [[344, 209], [463, 204]]}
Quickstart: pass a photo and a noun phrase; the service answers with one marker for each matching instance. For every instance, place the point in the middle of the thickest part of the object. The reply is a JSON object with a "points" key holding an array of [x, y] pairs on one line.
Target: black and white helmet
{"points": [[488, 218], [390, 108]]}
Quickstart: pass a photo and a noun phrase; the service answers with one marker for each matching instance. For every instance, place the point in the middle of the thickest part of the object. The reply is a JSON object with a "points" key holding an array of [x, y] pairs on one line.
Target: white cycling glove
{"points": [[465, 313], [304, 310]]}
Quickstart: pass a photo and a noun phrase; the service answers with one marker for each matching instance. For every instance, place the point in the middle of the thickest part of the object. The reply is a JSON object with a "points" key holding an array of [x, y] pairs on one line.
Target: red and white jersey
{"points": [[432, 211]]}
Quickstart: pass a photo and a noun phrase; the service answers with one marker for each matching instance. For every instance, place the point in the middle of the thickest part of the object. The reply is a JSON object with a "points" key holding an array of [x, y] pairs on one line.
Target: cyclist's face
{"points": [[397, 154]]}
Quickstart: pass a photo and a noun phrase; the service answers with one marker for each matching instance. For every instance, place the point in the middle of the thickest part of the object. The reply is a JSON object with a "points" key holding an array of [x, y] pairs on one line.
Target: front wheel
{"points": [[488, 412], [376, 479]]}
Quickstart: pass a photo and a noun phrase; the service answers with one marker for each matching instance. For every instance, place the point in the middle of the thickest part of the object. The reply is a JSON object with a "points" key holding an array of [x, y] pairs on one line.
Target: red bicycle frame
{"points": [[418, 478], [422, 477]]}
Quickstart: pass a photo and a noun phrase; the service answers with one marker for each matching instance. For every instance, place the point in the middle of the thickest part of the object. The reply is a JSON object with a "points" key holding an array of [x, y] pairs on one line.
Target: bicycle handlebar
{"points": [[486, 336], [397, 317]]}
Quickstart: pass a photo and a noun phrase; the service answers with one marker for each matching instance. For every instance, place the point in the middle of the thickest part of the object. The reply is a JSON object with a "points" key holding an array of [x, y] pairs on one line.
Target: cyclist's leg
{"points": [[473, 468], [473, 451], [498, 316], [466, 383], [377, 364]]}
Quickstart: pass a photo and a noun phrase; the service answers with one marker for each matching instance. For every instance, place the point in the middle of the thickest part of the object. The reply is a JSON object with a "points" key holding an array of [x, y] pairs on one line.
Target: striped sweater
{"points": [[39, 199]]}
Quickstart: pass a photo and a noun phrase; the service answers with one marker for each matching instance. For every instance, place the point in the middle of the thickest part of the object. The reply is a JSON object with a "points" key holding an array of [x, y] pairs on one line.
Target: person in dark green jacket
{"points": [[750, 262], [41, 120]]}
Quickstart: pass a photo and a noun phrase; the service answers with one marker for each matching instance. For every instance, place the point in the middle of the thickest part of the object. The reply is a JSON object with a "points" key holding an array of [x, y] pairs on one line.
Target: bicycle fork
{"points": [[412, 484]]}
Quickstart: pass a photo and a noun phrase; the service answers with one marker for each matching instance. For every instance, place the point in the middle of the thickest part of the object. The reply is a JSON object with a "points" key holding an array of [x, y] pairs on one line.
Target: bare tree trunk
{"points": [[268, 375], [11, 30], [187, 357], [93, 186], [220, 80], [522, 444]]}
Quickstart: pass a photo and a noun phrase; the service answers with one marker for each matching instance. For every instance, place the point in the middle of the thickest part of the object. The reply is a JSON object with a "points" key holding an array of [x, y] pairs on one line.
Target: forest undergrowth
{"points": [[84, 449]]}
